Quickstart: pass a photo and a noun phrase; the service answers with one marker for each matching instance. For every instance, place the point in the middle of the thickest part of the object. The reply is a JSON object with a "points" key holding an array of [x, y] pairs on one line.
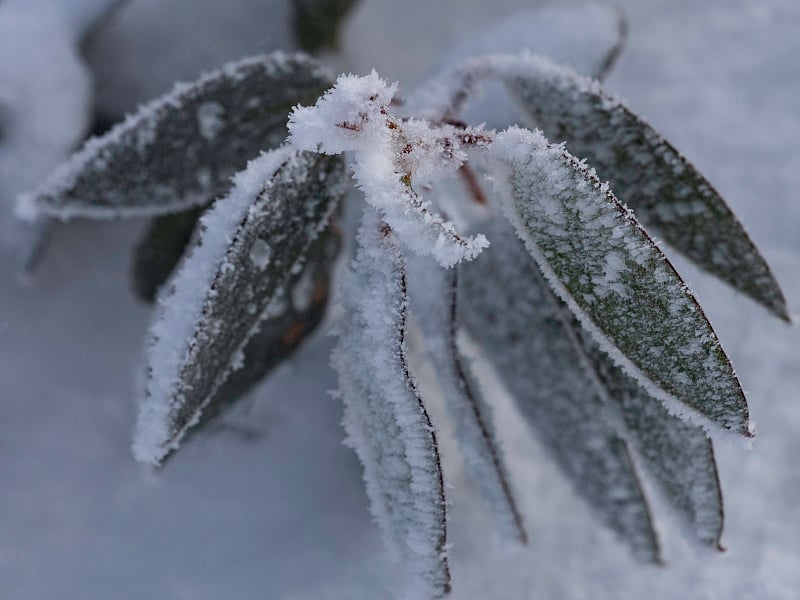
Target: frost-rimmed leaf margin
{"points": [[655, 318], [384, 416], [433, 294], [180, 150], [663, 188], [505, 310], [250, 243], [677, 456]]}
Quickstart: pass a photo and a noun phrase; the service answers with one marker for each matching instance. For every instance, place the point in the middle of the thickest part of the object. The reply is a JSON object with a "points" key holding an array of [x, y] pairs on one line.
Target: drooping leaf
{"points": [[250, 243], [600, 261], [678, 455], [290, 319], [506, 312], [665, 191], [317, 23], [160, 250], [384, 417], [433, 295], [180, 150]]}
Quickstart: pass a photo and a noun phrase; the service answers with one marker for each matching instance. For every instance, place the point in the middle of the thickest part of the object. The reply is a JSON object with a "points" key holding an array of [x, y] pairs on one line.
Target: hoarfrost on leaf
{"points": [[150, 163], [219, 295], [391, 156], [639, 310], [384, 417]]}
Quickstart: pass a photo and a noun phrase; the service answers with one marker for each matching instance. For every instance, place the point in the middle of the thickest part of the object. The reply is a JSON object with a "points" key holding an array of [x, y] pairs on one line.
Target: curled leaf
{"points": [[250, 244], [384, 417], [600, 261]]}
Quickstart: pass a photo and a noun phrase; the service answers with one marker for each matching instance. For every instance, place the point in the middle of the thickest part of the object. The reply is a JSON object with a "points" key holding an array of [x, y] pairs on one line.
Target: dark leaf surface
{"points": [[666, 192], [599, 260], [182, 149], [250, 244]]}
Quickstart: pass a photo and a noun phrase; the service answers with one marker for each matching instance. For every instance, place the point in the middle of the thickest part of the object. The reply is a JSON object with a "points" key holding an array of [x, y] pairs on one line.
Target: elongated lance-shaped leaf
{"points": [[600, 261], [249, 245], [384, 417], [433, 294], [667, 193], [180, 150], [678, 455], [507, 314], [288, 321]]}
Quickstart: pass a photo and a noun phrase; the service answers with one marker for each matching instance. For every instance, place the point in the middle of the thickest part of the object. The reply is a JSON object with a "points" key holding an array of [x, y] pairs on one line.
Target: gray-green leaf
{"points": [[678, 455], [600, 261], [384, 416], [434, 293], [666, 192], [506, 311], [250, 244], [180, 150]]}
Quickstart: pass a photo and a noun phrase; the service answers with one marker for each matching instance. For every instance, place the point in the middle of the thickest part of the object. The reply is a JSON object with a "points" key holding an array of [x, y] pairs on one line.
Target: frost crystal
{"points": [[391, 156]]}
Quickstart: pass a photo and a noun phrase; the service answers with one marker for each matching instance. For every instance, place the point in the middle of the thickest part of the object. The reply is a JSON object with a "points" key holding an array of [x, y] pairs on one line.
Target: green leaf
{"points": [[506, 311], [317, 23], [384, 416], [180, 150], [250, 244], [678, 455], [600, 261], [666, 192]]}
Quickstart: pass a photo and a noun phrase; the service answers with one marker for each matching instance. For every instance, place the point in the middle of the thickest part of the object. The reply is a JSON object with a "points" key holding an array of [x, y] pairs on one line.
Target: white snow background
{"points": [[283, 514]]}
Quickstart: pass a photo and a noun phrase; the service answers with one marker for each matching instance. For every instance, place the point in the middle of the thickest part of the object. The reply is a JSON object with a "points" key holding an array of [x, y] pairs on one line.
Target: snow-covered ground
{"points": [[282, 514]]}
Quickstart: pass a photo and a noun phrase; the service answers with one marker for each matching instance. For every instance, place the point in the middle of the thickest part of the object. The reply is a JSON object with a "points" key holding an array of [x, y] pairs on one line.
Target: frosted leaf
{"points": [[600, 261], [506, 313], [667, 193], [587, 36], [218, 296], [284, 326], [678, 455], [389, 154], [384, 417], [433, 294], [164, 158]]}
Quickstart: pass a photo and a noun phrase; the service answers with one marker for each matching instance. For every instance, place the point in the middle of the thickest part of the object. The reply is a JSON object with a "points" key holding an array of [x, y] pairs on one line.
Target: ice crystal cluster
{"points": [[535, 242]]}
